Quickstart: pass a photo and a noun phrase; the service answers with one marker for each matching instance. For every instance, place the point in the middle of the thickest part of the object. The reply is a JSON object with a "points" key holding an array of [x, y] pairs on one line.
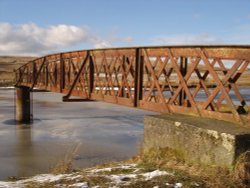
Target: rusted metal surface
{"points": [[206, 81]]}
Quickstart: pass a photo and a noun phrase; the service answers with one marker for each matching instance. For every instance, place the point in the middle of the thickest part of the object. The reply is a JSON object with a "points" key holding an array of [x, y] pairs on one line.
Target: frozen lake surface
{"points": [[90, 132]]}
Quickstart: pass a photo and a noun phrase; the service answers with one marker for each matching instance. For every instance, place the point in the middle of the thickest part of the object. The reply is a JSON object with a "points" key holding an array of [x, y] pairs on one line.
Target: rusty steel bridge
{"points": [[206, 81]]}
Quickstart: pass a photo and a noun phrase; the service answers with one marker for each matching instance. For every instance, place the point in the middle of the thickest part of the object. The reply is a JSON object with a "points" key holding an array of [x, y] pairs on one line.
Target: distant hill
{"points": [[7, 66]]}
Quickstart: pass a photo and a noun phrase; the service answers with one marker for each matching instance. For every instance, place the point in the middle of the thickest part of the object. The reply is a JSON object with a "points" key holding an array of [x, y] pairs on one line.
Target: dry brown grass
{"points": [[208, 175], [242, 169], [65, 165]]}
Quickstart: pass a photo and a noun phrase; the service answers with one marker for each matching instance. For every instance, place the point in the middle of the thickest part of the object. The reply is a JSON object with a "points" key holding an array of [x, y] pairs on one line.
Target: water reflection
{"points": [[10, 122], [24, 149]]}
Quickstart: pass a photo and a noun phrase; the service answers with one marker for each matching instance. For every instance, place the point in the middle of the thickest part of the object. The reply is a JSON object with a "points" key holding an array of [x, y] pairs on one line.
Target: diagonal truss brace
{"points": [[37, 74], [220, 86], [65, 98]]}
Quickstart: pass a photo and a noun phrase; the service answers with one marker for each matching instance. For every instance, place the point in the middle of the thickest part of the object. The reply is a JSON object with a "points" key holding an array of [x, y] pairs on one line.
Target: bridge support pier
{"points": [[23, 110]]}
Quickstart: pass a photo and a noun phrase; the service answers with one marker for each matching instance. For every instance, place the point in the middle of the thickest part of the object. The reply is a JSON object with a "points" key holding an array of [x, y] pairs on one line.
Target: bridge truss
{"points": [[207, 81]]}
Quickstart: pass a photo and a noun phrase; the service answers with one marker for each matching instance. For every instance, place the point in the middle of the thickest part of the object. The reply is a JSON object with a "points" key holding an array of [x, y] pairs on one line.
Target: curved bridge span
{"points": [[207, 81]]}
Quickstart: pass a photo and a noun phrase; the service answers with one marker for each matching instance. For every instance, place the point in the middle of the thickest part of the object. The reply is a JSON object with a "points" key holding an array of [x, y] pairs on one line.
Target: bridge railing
{"points": [[208, 81]]}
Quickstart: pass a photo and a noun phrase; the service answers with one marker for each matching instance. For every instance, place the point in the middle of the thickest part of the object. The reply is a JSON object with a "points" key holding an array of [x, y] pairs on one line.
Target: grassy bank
{"points": [[153, 169], [206, 175]]}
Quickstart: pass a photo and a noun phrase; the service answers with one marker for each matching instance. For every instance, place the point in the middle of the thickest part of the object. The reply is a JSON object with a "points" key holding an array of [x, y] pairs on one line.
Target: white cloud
{"points": [[111, 40], [31, 39], [97, 42], [188, 39], [64, 35]]}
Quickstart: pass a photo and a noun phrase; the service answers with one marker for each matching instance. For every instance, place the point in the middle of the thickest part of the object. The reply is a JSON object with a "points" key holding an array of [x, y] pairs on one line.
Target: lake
{"points": [[89, 133]]}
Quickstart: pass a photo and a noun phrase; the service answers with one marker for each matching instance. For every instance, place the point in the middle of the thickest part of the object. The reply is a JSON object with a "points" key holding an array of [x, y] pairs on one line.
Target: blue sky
{"points": [[37, 27]]}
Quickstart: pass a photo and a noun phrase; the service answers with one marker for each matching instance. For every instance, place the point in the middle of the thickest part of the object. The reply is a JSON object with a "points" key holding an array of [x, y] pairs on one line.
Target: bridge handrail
{"points": [[164, 46]]}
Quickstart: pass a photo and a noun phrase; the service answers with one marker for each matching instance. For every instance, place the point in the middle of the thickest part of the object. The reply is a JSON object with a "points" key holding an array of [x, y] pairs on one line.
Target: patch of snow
{"points": [[150, 175], [136, 170], [47, 178], [10, 185], [72, 177], [81, 185], [120, 166], [127, 166], [156, 186], [101, 170], [8, 87], [178, 185], [116, 179], [39, 179], [121, 177], [196, 184]]}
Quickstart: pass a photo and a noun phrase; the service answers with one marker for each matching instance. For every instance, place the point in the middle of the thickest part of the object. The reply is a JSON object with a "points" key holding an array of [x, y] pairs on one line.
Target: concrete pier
{"points": [[196, 140], [23, 111]]}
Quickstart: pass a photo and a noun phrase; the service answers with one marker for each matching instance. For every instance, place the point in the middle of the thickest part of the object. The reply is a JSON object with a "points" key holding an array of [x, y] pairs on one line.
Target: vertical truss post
{"points": [[183, 70], [62, 74], [19, 76], [55, 74], [123, 92], [34, 73], [46, 75], [138, 77], [91, 75], [15, 72]]}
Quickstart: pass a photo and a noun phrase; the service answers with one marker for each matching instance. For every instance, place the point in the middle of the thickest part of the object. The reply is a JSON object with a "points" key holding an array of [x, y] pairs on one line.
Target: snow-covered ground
{"points": [[7, 87], [80, 179]]}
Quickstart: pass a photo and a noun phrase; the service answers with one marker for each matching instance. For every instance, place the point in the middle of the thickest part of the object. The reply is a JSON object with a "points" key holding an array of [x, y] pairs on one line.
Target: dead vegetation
{"points": [[65, 165], [207, 175], [242, 169], [189, 174], [137, 173]]}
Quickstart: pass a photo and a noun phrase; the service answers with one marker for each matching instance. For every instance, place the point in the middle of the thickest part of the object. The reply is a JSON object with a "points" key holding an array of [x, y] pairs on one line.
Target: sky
{"points": [[39, 27]]}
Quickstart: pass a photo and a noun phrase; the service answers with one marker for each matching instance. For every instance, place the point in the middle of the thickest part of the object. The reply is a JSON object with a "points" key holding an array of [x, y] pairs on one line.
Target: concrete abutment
{"points": [[197, 140]]}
